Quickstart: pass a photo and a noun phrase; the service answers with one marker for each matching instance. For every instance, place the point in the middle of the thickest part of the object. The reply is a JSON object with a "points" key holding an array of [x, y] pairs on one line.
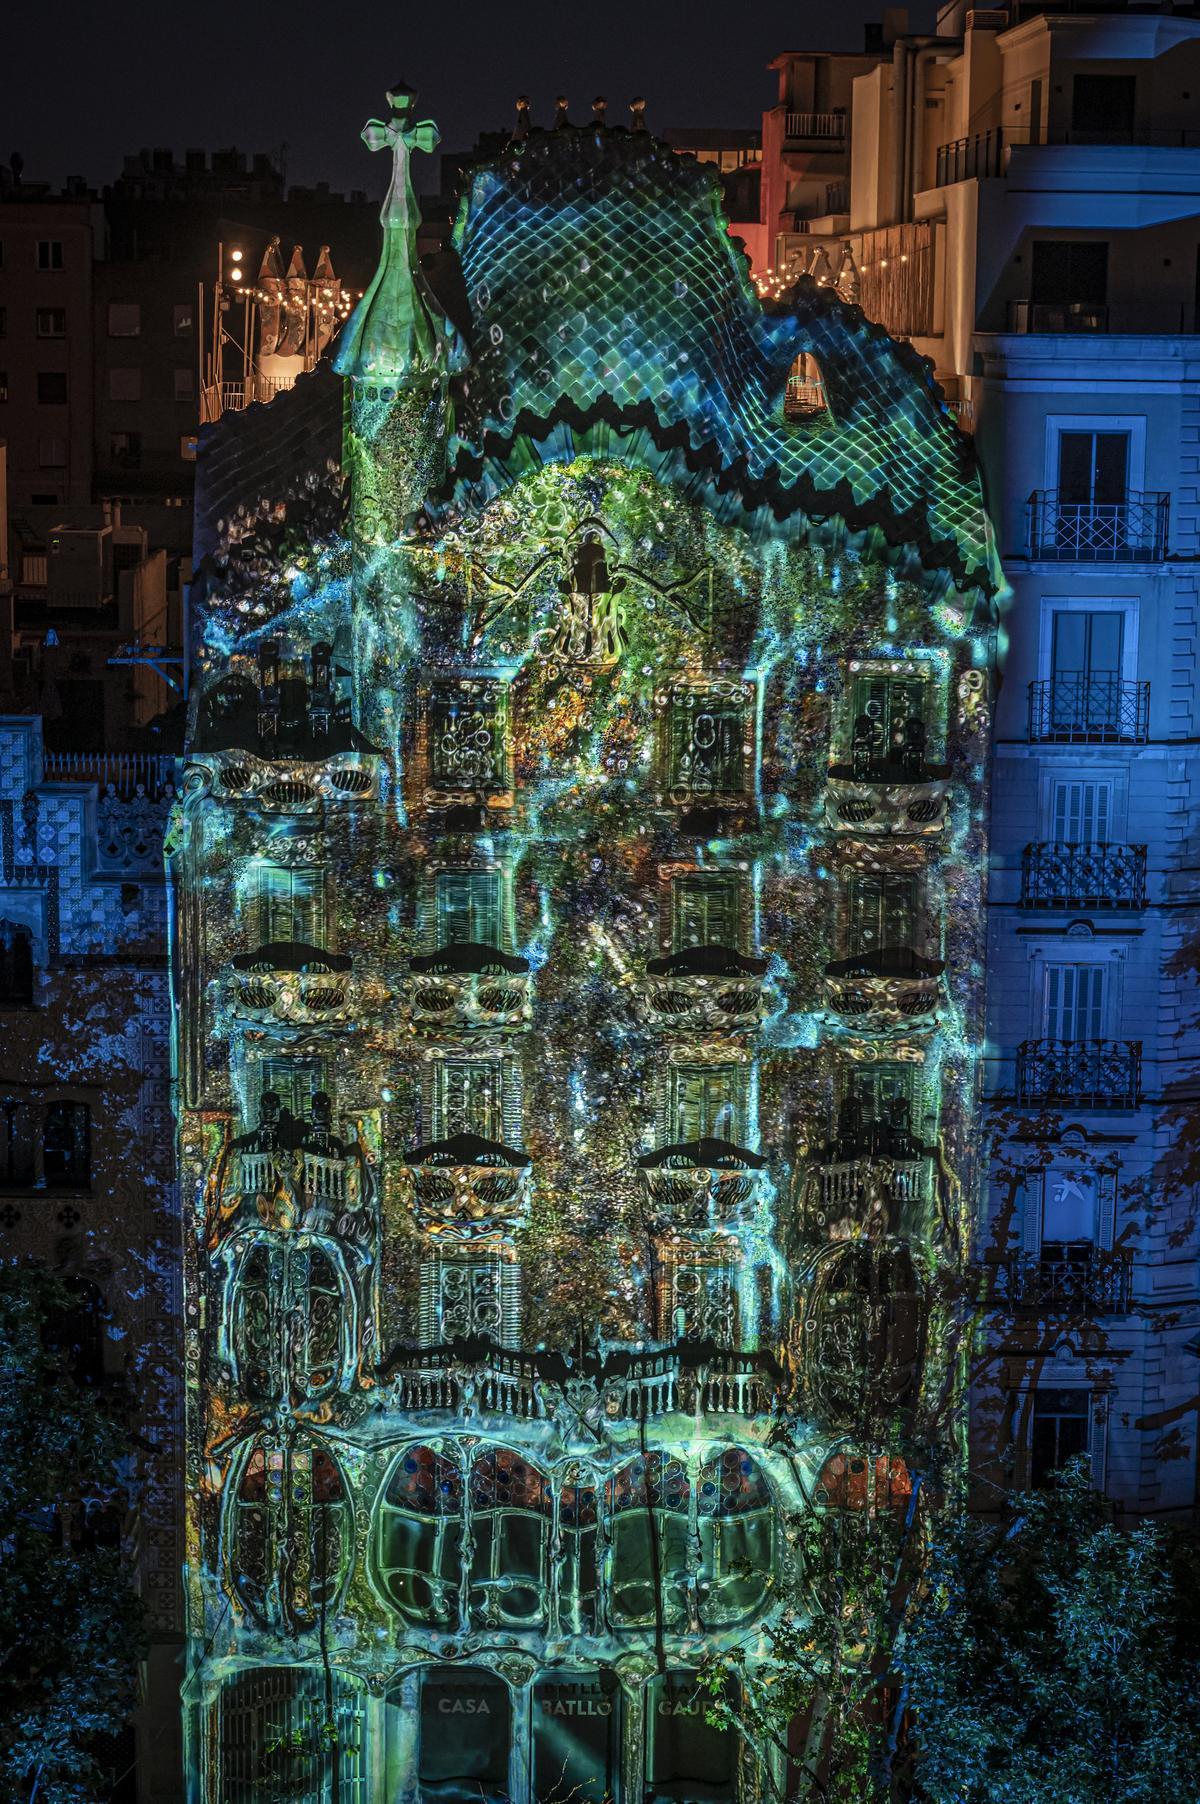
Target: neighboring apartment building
{"points": [[1026, 209], [87, 1170]]}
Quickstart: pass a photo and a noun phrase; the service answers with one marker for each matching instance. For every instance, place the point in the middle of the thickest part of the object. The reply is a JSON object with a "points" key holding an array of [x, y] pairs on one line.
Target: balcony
{"points": [[873, 1194], [470, 985], [701, 1185], [301, 788], [891, 990], [703, 989], [1067, 875], [316, 1189], [881, 800], [1088, 710], [1138, 319], [1130, 531], [970, 159], [825, 129], [693, 1378], [468, 1187], [291, 984], [1079, 1074], [1074, 1279]]}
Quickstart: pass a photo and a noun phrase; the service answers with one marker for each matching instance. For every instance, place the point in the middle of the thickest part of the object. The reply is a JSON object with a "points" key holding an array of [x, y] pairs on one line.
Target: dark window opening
{"points": [[1060, 1431], [66, 1145], [16, 966], [1102, 106], [466, 1729], [1070, 270], [688, 1761], [52, 387]]}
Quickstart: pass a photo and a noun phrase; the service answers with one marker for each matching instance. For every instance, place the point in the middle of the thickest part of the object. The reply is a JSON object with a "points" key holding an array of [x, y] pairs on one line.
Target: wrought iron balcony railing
{"points": [[704, 988], [1076, 1279], [470, 985], [966, 159], [467, 1187], [1130, 531], [1081, 1074], [1088, 710], [1066, 874], [700, 1185]]}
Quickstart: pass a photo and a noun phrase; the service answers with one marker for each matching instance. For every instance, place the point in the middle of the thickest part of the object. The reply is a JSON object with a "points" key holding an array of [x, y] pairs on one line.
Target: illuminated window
{"points": [[291, 1534], [891, 723], [737, 1538], [289, 905], [707, 1102], [66, 1145], [510, 1525], [882, 912], [467, 737], [419, 1538], [708, 909], [468, 1097], [649, 1504], [707, 754], [578, 1571], [468, 908], [287, 1322], [181, 319]]}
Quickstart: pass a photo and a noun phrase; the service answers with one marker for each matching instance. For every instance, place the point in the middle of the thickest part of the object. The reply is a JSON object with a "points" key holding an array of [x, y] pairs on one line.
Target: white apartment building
{"points": [[1025, 207]]}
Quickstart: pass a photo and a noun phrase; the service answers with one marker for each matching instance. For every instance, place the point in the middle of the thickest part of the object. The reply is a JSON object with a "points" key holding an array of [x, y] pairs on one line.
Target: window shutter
{"points": [[1106, 1208], [1031, 1201], [1098, 1441]]}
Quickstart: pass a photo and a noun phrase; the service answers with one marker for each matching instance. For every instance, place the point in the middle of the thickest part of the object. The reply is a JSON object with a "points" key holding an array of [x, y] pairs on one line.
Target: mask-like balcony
{"points": [[704, 988], [470, 985], [290, 984], [877, 804], [469, 1187], [701, 1185], [890, 990], [283, 787]]}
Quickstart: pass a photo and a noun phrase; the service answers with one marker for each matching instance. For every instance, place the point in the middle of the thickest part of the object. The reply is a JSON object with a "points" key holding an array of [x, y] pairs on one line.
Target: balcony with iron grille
{"points": [[468, 1187], [1065, 874], [1073, 1279], [1079, 1074], [1088, 710], [704, 989], [701, 1186], [470, 985], [1132, 530]]}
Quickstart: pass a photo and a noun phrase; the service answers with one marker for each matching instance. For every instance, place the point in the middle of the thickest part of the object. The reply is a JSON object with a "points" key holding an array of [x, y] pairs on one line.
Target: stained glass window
{"points": [[510, 1523], [648, 1503], [737, 1538], [419, 1538], [289, 1540]]}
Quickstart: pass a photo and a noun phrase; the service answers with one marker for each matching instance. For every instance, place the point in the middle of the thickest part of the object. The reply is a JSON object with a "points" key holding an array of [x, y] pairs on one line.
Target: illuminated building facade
{"points": [[578, 984]]}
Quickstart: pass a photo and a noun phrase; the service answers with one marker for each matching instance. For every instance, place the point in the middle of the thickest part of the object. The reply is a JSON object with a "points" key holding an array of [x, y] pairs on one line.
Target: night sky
{"points": [[82, 84]]}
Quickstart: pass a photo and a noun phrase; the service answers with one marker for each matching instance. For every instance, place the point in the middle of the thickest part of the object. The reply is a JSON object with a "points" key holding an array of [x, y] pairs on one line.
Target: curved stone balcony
{"points": [[291, 984], [883, 804], [702, 1185], [470, 985], [694, 1378], [891, 990], [469, 1187], [703, 989], [875, 1194]]}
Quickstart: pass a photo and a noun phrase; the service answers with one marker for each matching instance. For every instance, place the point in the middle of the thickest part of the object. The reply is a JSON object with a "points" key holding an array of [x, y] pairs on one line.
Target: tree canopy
{"points": [[70, 1620]]}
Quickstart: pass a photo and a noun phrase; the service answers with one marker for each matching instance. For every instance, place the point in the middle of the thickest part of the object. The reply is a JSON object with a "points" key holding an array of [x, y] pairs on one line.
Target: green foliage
{"points": [[1055, 1658], [70, 1621]]}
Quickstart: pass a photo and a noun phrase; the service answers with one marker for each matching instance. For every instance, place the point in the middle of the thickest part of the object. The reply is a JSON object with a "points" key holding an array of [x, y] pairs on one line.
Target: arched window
{"points": [[16, 965], [510, 1523], [270, 1738], [737, 1538], [288, 1316], [66, 1145], [578, 1523], [419, 1538], [862, 1347], [648, 1505], [290, 1534]]}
